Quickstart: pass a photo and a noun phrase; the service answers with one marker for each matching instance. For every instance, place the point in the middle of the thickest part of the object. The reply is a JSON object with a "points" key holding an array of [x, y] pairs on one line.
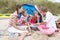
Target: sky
{"points": [[54, 0]]}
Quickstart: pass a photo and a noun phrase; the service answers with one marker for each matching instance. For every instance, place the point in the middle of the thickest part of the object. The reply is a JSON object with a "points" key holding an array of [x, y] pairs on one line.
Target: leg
{"points": [[23, 36], [47, 31]]}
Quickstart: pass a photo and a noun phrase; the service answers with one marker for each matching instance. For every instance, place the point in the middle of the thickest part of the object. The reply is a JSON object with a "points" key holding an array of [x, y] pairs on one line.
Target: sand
{"points": [[5, 35]]}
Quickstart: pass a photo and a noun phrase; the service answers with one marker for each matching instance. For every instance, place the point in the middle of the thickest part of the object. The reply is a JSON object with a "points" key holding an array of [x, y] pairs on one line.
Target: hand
{"points": [[23, 29], [43, 23], [38, 23]]}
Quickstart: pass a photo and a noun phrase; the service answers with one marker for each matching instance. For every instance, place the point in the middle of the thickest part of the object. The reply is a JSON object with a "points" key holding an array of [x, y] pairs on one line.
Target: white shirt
{"points": [[49, 19]]}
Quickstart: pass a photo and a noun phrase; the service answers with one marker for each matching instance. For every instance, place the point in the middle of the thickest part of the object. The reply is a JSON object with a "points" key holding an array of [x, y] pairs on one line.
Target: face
{"points": [[20, 10], [35, 13], [44, 13], [24, 14]]}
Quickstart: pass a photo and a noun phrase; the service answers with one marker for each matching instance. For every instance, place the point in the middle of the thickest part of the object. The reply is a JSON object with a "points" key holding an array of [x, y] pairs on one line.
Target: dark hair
{"points": [[44, 9], [18, 6]]}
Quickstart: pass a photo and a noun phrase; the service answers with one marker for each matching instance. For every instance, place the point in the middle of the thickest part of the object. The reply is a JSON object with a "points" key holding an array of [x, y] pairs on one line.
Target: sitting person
{"points": [[24, 20], [48, 26], [34, 20], [21, 27]]}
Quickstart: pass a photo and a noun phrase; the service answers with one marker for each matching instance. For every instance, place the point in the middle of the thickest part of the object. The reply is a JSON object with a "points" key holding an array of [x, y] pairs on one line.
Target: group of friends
{"points": [[23, 23]]}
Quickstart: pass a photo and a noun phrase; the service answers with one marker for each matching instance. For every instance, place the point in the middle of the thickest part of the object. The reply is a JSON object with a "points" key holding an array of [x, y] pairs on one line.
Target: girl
{"points": [[48, 25], [15, 26], [34, 20]]}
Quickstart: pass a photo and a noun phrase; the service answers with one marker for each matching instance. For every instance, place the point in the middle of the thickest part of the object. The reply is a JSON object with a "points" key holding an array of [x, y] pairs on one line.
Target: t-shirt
{"points": [[33, 20], [49, 19]]}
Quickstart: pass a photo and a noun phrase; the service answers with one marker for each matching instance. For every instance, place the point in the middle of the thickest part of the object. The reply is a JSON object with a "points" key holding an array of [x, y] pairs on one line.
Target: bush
{"points": [[8, 6]]}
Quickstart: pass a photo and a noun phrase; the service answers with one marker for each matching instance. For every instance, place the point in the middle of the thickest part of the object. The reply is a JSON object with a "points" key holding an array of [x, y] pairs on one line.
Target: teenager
{"points": [[16, 23]]}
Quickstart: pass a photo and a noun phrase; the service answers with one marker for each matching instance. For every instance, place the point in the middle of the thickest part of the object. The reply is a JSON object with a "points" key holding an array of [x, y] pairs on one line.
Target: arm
{"points": [[29, 29], [43, 23], [14, 23], [29, 19], [38, 19]]}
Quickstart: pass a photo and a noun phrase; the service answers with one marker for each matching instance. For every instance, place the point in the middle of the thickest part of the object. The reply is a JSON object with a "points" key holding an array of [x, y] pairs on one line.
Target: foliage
{"points": [[8, 6]]}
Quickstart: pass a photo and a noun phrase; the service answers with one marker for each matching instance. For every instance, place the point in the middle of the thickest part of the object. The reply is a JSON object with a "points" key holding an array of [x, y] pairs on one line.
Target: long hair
{"points": [[18, 6]]}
